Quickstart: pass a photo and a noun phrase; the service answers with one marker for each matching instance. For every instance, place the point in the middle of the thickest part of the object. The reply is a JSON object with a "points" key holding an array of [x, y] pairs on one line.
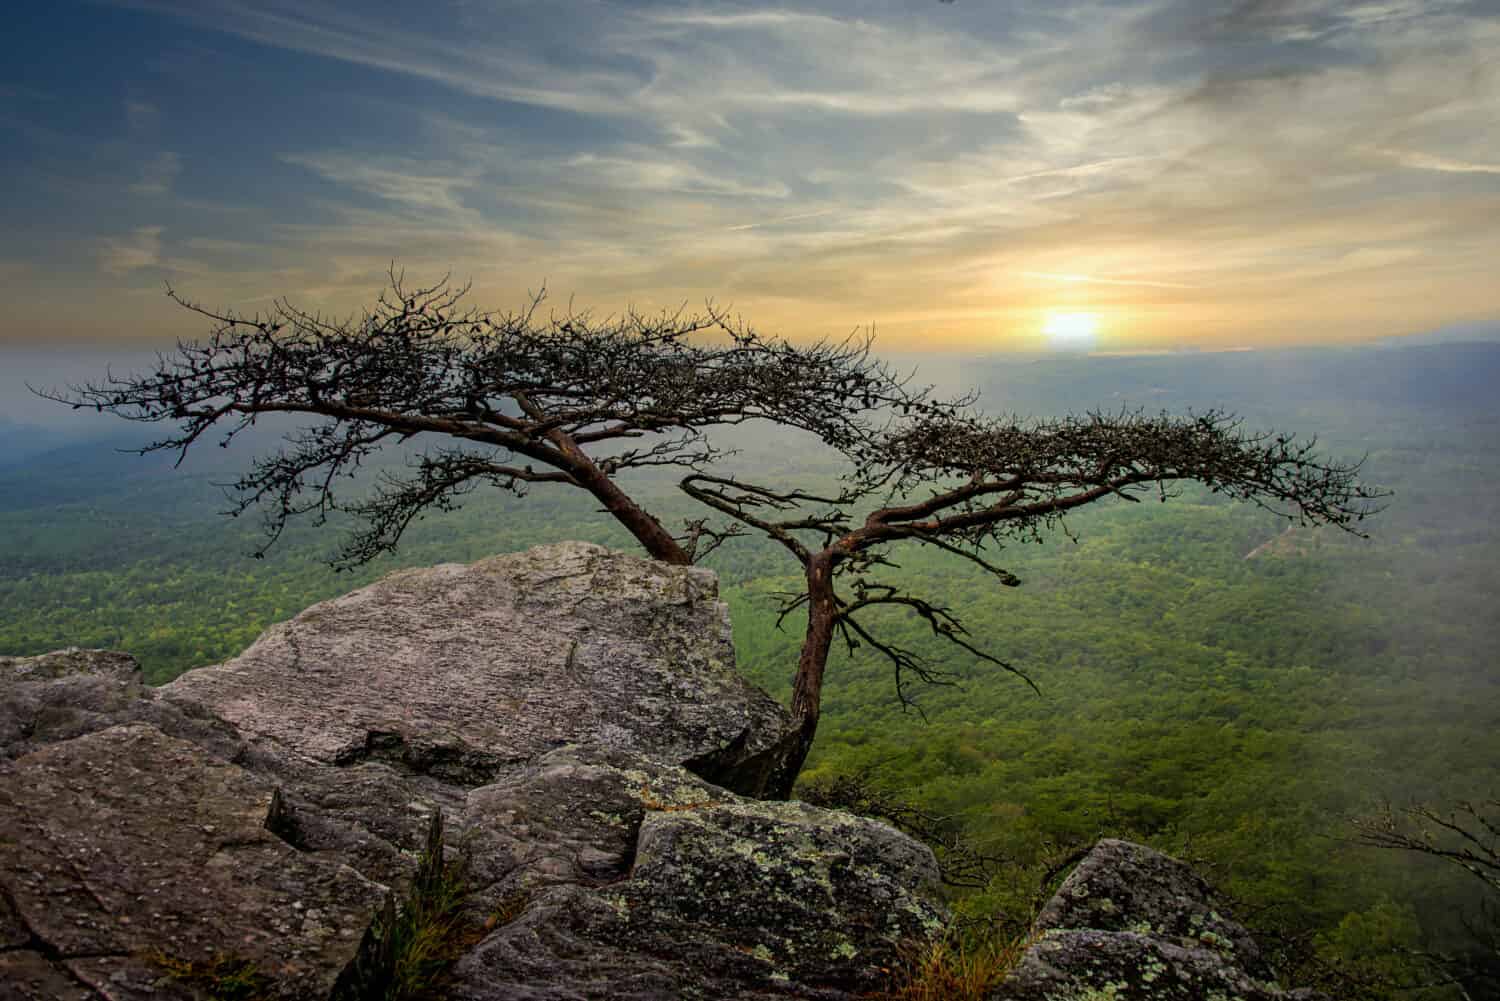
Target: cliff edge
{"points": [[253, 829]]}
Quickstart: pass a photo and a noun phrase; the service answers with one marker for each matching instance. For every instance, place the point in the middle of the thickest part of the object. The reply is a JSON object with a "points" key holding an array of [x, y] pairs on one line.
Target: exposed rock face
{"points": [[68, 693], [1131, 924], [552, 705], [463, 671], [71, 663]]}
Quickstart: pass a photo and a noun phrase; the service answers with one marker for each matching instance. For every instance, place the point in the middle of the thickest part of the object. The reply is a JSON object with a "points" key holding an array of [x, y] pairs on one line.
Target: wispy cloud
{"points": [[121, 255], [1097, 280], [658, 174], [426, 186], [779, 220], [1427, 161], [1200, 163]]}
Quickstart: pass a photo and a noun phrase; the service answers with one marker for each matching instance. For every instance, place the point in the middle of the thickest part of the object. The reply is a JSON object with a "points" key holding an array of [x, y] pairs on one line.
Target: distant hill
{"points": [[1265, 386], [1454, 333], [19, 441]]}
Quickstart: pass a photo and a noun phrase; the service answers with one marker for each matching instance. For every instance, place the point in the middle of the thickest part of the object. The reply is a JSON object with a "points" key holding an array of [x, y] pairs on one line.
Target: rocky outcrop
{"points": [[1131, 924], [560, 708], [69, 693], [466, 670], [571, 714]]}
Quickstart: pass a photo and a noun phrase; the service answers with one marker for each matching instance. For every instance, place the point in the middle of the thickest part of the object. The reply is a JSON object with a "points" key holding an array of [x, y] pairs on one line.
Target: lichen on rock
{"points": [[1132, 924], [684, 889]]}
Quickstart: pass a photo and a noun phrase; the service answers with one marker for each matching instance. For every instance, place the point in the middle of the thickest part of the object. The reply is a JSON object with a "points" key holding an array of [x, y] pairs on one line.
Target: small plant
{"points": [[222, 978], [409, 948], [964, 965]]}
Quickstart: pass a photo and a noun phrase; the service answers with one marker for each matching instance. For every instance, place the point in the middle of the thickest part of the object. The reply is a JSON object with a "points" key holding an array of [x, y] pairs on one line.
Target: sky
{"points": [[973, 176]]}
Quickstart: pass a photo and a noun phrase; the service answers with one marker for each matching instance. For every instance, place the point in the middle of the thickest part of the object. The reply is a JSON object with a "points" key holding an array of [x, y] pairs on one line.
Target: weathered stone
{"points": [[69, 662], [564, 709], [572, 944], [369, 815], [624, 878], [1082, 965], [1122, 886], [571, 817], [461, 671], [366, 813], [1131, 924], [68, 693], [63, 694], [13, 933], [127, 846]]}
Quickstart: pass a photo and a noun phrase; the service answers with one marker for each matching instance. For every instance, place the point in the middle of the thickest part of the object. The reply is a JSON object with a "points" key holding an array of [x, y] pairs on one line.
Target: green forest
{"points": [[1215, 682]]}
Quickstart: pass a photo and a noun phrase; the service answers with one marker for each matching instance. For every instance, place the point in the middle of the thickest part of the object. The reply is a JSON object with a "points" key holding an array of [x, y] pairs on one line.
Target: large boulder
{"points": [[465, 670], [1132, 924]]}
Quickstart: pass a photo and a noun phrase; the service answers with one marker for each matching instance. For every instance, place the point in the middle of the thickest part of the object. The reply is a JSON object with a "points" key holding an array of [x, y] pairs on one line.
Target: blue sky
{"points": [[973, 175]]}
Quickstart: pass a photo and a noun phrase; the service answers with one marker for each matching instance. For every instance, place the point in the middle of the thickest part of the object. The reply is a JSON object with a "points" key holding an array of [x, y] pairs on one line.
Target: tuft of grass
{"points": [[409, 949], [958, 967], [428, 933], [222, 978]]}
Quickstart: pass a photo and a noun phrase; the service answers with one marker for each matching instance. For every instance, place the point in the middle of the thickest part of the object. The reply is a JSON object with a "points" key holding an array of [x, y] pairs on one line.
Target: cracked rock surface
{"points": [[630, 880], [126, 851]]}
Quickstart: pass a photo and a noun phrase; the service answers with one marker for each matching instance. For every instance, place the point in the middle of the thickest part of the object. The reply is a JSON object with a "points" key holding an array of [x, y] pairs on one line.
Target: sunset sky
{"points": [[979, 175]]}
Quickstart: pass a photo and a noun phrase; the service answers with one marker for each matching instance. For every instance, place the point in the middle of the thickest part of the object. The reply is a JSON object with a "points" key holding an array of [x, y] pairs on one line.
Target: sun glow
{"points": [[1071, 331]]}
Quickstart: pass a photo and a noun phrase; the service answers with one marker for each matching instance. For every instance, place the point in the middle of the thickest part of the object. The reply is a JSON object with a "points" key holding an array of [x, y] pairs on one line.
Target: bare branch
{"points": [[421, 363]]}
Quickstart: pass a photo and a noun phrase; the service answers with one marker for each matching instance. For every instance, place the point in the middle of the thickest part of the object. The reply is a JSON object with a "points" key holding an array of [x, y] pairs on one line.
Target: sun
{"points": [[1070, 331]]}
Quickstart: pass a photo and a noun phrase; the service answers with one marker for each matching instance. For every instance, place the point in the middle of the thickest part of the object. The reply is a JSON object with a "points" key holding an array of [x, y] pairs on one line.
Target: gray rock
{"points": [[366, 813], [127, 852], [66, 663], [316, 760], [1087, 965], [307, 770], [1122, 886], [462, 671], [69, 693], [567, 710], [626, 879], [1132, 924]]}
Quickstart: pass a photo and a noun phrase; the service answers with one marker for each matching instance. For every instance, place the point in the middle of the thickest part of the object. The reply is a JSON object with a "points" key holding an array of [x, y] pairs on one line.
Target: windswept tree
{"points": [[518, 399], [967, 485], [512, 400]]}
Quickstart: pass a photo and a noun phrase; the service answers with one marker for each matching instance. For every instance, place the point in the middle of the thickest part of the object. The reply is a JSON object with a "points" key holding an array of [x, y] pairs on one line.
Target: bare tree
{"points": [[513, 400], [965, 485]]}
